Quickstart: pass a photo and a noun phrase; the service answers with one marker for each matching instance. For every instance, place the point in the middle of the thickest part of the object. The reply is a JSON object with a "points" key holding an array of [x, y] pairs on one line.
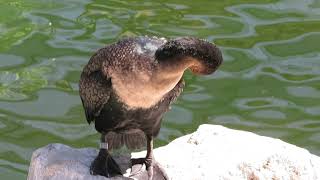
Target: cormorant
{"points": [[127, 87]]}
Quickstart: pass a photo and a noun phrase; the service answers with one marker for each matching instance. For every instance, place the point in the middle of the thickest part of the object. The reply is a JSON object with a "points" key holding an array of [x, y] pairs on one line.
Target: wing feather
{"points": [[94, 87]]}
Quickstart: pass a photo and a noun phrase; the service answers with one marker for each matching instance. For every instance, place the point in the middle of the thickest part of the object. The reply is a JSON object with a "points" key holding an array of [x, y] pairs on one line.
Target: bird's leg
{"points": [[148, 160], [104, 164], [151, 165], [149, 157]]}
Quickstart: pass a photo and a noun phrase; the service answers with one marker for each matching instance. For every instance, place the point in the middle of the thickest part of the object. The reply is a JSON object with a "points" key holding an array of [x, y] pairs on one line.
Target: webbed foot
{"points": [[105, 165]]}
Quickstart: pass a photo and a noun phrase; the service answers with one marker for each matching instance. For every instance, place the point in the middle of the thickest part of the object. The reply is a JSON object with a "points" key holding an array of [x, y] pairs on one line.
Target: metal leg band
{"points": [[104, 145]]}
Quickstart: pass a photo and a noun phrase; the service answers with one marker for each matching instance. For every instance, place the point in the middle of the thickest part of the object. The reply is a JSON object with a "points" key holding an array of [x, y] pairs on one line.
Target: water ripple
{"points": [[263, 102], [49, 102], [65, 131], [269, 114], [268, 83], [304, 91], [305, 125]]}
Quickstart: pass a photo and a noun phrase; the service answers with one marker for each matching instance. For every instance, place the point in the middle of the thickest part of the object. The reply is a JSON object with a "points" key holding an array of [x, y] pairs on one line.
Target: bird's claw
{"points": [[153, 169]]}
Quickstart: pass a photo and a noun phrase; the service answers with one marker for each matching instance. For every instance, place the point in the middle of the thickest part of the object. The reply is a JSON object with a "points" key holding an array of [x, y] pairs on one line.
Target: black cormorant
{"points": [[127, 87]]}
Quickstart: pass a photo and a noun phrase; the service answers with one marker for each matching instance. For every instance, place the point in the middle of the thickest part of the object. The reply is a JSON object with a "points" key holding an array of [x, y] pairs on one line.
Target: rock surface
{"points": [[212, 152]]}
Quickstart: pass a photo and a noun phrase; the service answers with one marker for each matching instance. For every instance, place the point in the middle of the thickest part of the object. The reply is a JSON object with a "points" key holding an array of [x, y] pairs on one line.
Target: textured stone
{"points": [[212, 152]]}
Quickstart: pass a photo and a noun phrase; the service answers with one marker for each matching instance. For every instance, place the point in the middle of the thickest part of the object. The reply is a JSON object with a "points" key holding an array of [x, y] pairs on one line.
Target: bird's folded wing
{"points": [[94, 88]]}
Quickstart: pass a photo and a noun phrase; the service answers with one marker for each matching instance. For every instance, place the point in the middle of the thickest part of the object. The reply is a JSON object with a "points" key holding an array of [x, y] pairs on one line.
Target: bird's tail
{"points": [[133, 139]]}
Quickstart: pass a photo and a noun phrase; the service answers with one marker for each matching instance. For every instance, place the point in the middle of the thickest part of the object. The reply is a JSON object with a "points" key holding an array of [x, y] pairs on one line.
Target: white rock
{"points": [[212, 152]]}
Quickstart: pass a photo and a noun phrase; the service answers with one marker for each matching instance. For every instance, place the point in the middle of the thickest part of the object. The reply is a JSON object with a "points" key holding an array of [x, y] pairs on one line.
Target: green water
{"points": [[269, 83]]}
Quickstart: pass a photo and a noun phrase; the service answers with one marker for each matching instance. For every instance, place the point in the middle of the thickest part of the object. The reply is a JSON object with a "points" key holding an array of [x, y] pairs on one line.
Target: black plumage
{"points": [[127, 87]]}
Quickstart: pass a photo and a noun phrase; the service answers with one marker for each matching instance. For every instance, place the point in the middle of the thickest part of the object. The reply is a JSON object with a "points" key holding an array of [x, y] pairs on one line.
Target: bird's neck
{"points": [[143, 89], [174, 67]]}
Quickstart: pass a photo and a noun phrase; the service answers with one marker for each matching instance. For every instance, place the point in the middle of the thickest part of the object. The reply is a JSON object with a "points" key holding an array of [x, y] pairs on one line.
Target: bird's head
{"points": [[200, 56]]}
